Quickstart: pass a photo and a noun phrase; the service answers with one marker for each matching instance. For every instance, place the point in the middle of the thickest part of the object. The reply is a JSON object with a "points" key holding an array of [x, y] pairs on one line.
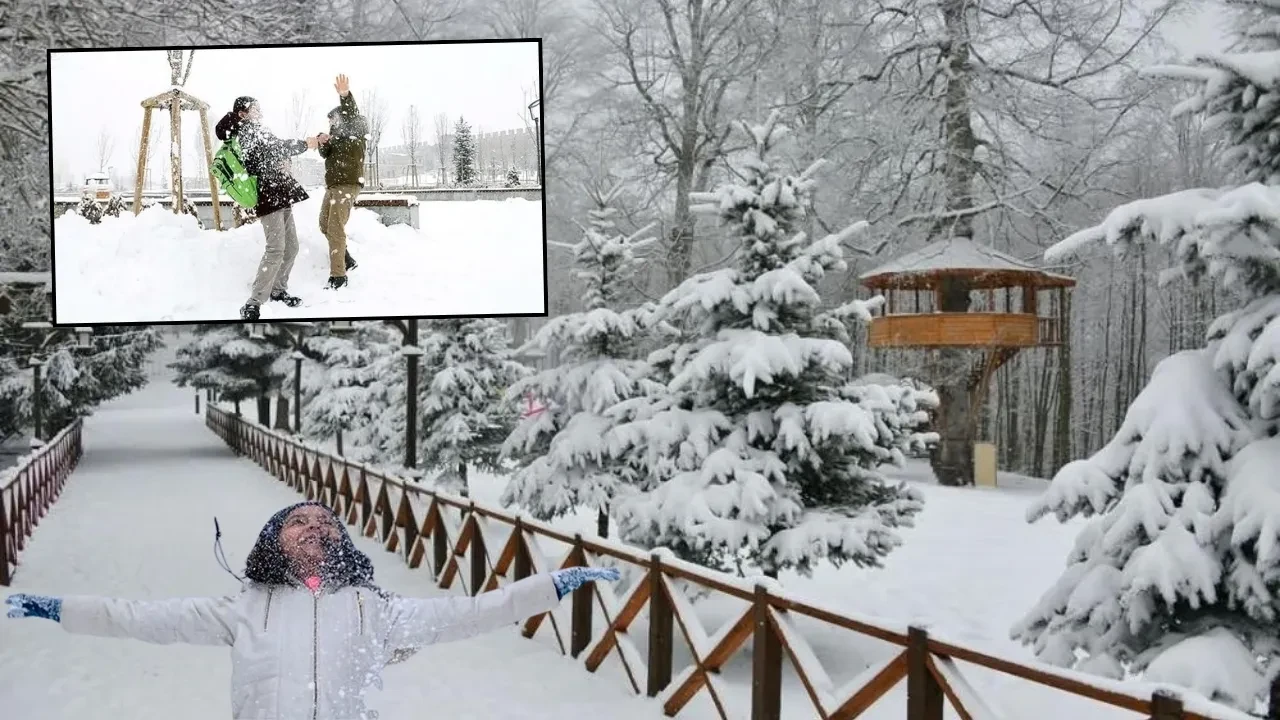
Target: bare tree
{"points": [[105, 148], [300, 114], [681, 64], [411, 132], [442, 145], [375, 111], [951, 67]]}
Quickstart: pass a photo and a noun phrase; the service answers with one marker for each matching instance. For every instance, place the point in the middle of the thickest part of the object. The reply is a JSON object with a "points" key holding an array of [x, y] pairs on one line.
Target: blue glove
{"points": [[570, 579], [38, 606]]}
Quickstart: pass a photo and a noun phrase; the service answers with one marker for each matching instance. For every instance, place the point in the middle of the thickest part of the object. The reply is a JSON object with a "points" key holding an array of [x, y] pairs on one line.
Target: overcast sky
{"points": [[486, 82]]}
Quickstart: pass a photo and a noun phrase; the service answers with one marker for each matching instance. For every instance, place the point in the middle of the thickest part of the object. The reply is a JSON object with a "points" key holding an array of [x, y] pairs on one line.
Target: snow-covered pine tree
{"points": [[349, 390], [757, 453], [464, 414], [563, 460], [464, 154], [236, 367], [1177, 576], [513, 178], [73, 381]]}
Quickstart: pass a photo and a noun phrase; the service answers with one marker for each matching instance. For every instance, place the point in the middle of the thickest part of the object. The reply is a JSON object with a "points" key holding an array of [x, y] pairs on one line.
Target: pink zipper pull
{"points": [[313, 583]]}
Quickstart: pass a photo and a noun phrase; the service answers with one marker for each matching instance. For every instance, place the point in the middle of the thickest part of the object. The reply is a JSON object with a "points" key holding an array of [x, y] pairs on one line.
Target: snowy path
{"points": [[136, 520], [470, 257]]}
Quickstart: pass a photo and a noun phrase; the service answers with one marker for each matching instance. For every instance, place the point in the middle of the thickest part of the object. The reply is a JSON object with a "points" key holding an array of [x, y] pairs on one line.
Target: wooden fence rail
{"points": [[27, 491], [481, 547]]}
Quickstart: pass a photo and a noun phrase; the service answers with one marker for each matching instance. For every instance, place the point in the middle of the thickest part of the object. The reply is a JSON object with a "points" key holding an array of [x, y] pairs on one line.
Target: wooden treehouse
{"points": [[960, 295]]}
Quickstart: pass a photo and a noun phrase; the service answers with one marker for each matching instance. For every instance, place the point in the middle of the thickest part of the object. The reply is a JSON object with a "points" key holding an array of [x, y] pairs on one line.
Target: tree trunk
{"points": [[282, 413], [462, 473], [237, 406], [264, 411], [952, 459], [602, 523]]}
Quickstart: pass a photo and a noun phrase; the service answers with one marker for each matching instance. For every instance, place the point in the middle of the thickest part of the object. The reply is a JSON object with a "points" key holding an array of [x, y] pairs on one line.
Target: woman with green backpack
{"points": [[265, 180]]}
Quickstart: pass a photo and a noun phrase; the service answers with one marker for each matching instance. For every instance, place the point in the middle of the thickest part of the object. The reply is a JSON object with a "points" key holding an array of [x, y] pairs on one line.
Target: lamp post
{"points": [[295, 340], [409, 330], [537, 138], [84, 342]]}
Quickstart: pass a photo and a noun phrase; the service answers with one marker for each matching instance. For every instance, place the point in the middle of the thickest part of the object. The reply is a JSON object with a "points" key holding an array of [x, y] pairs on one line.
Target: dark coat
{"points": [[344, 153], [266, 157]]}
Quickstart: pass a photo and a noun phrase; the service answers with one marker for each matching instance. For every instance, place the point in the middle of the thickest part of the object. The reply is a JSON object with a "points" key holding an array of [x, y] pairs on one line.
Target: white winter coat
{"points": [[296, 655]]}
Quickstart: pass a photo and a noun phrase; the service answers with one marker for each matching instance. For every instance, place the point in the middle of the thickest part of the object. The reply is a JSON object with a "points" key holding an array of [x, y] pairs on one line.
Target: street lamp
{"points": [[295, 340], [537, 137], [409, 331], [83, 342]]}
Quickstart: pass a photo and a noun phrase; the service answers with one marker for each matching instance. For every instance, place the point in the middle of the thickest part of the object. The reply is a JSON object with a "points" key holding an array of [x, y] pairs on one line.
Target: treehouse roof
{"points": [[982, 266]]}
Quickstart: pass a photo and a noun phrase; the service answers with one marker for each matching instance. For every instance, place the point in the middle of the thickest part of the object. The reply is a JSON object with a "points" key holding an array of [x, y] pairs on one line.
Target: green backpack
{"points": [[235, 181]]}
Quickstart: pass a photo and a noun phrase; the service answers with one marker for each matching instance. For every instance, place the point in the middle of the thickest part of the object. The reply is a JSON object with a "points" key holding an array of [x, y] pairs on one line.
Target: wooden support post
{"points": [[208, 163], [5, 579], [479, 569], [661, 629], [1165, 706], [580, 633], [766, 662], [175, 152], [924, 694], [142, 159], [523, 563], [439, 545]]}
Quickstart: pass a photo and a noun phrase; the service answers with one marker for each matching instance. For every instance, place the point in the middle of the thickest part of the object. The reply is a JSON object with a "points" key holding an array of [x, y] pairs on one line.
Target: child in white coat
{"points": [[310, 631]]}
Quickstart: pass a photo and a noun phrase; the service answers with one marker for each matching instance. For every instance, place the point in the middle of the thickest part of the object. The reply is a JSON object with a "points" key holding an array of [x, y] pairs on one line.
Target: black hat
{"points": [[243, 103]]}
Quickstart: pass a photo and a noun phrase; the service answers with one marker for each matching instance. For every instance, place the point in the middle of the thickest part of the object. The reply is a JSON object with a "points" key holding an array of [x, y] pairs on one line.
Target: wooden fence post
{"points": [[580, 634], [439, 542], [661, 630], [1165, 706], [478, 565], [924, 694], [523, 566], [766, 662], [5, 579]]}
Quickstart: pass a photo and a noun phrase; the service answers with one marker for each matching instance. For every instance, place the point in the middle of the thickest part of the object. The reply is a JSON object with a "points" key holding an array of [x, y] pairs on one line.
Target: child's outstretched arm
{"points": [[194, 621], [416, 622]]}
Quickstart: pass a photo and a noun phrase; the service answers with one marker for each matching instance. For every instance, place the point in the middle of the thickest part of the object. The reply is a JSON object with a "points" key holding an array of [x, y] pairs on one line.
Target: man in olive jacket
{"points": [[343, 153]]}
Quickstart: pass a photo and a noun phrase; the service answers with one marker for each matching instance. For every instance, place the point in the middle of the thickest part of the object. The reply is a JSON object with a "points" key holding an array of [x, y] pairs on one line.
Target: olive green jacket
{"points": [[344, 153]]}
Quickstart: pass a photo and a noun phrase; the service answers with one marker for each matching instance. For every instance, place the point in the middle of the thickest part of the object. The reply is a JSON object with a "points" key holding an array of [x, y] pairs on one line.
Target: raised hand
{"points": [[569, 579], [22, 605], [313, 142], [323, 138], [342, 85]]}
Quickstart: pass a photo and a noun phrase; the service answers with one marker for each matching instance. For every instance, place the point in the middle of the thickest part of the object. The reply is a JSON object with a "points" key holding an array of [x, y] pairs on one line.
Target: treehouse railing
{"points": [[481, 547], [27, 491]]}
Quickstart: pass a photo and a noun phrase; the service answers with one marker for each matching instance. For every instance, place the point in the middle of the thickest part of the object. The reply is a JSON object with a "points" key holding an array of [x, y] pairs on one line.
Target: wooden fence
{"points": [[465, 543], [29, 490]]}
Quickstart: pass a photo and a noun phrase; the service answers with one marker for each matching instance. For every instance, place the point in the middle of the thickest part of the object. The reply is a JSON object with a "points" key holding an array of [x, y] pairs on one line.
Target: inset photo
{"points": [[305, 182]]}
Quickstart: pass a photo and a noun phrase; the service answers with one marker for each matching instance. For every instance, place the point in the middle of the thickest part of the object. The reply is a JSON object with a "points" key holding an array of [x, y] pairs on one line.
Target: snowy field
{"points": [[136, 520], [474, 257]]}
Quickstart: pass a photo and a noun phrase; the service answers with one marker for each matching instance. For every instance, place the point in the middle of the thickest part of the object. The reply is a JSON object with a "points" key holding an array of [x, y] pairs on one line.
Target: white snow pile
{"points": [[470, 257]]}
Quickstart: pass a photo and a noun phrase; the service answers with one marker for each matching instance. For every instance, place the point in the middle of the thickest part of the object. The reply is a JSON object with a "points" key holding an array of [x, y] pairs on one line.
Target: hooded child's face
{"points": [[306, 533]]}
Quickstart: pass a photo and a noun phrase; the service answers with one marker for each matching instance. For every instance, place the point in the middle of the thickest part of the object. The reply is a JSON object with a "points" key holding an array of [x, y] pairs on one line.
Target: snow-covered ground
{"points": [[136, 520], [475, 257]]}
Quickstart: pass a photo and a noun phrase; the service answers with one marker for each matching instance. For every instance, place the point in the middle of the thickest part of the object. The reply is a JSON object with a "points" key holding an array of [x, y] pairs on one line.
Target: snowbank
{"points": [[475, 257]]}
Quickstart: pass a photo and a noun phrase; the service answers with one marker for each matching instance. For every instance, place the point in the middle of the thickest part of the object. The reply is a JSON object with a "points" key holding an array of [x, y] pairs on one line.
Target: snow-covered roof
{"points": [[97, 176], [962, 256]]}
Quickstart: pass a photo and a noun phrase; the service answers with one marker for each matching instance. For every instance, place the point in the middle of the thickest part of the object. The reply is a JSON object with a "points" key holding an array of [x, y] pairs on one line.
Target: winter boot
{"points": [[249, 311], [335, 283], [351, 263], [286, 298]]}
